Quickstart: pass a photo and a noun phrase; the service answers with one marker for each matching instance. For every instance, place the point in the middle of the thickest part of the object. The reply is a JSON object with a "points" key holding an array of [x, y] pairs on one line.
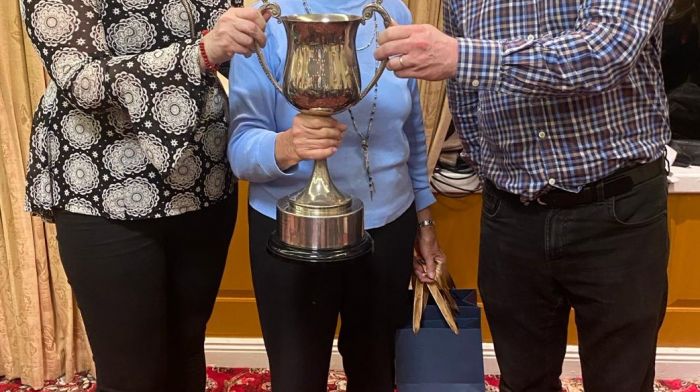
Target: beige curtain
{"points": [[41, 333]]}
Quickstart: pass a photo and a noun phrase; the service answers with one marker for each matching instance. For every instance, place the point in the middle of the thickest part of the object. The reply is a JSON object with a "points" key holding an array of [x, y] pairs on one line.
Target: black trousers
{"points": [[605, 260], [299, 306], [146, 290]]}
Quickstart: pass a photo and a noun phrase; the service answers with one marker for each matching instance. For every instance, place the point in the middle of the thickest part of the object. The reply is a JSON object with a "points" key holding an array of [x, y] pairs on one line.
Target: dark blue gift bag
{"points": [[438, 360]]}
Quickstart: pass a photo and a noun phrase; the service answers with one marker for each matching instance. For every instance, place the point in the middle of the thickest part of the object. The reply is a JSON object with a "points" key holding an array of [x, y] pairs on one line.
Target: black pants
{"points": [[146, 290], [606, 260], [299, 306]]}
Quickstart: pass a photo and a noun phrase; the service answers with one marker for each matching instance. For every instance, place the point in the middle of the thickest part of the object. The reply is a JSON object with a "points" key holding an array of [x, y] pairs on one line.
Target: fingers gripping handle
{"points": [[276, 12], [367, 14]]}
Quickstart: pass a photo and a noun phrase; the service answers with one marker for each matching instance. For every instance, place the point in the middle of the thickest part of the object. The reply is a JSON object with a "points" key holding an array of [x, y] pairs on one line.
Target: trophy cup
{"points": [[321, 77]]}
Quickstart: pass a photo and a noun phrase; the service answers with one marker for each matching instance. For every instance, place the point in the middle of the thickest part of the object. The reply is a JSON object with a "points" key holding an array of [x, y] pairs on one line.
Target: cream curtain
{"points": [[41, 333]]}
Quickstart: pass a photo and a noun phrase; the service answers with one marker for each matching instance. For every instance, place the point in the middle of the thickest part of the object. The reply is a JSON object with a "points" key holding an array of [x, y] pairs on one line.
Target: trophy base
{"points": [[287, 252], [320, 234]]}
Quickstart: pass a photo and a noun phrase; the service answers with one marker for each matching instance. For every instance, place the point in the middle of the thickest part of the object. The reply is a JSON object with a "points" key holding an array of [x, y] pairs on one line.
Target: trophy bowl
{"points": [[319, 223]]}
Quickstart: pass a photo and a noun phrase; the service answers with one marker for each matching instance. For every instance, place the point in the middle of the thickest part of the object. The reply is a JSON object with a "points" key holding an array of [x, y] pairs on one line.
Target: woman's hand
{"points": [[310, 137], [427, 251], [237, 31]]}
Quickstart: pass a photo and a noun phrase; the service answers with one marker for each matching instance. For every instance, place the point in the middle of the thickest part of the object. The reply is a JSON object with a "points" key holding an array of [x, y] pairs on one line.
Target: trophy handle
{"points": [[367, 13], [276, 12]]}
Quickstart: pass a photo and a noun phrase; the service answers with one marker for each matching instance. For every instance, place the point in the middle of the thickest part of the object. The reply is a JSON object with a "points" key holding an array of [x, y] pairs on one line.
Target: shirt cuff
{"points": [[479, 63], [424, 199], [266, 158]]}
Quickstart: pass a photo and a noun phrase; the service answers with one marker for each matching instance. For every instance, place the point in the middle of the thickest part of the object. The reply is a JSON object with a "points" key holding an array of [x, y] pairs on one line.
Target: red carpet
{"points": [[248, 380]]}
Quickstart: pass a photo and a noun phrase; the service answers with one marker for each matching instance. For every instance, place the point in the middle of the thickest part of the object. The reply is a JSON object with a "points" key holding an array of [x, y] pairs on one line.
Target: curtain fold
{"points": [[41, 333]]}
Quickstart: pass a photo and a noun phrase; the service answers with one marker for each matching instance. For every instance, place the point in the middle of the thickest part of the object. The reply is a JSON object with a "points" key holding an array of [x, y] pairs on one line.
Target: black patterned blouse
{"points": [[129, 128]]}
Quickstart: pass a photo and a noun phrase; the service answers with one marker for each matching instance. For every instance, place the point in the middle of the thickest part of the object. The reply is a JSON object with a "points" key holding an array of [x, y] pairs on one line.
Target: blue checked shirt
{"points": [[557, 93]]}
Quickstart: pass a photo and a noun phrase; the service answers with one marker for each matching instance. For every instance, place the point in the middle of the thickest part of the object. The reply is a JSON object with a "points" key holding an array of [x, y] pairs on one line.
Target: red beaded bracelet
{"points": [[211, 67]]}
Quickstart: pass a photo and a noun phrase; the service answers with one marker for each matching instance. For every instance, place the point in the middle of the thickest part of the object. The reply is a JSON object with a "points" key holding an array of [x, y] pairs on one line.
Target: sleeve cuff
{"points": [[479, 63], [190, 62], [424, 199], [266, 158]]}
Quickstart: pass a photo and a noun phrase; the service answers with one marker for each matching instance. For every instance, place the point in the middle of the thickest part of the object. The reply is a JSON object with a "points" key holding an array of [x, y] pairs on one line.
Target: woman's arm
{"points": [[158, 92], [418, 159], [428, 250], [73, 44], [257, 151], [253, 128]]}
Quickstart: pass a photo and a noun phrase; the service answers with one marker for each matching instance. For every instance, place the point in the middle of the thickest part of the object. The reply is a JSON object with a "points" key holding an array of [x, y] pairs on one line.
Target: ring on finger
{"points": [[403, 65]]}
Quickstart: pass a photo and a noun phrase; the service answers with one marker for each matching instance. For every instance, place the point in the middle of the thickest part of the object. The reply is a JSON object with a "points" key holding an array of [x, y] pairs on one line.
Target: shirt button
{"points": [[530, 37], [475, 83], [552, 181], [542, 135]]}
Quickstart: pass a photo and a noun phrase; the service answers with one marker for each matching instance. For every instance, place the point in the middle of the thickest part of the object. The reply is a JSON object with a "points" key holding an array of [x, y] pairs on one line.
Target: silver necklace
{"points": [[373, 36], [365, 140]]}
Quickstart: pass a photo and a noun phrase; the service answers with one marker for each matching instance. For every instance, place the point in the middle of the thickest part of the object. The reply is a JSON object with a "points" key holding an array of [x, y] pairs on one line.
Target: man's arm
{"points": [[595, 56], [463, 102]]}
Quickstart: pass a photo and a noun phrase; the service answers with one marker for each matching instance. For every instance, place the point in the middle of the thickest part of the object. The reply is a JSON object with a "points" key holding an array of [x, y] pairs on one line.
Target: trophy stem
{"points": [[320, 224], [320, 195]]}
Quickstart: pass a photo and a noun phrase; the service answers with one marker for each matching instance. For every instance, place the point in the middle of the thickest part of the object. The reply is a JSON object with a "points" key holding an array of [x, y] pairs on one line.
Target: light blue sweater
{"points": [[397, 142]]}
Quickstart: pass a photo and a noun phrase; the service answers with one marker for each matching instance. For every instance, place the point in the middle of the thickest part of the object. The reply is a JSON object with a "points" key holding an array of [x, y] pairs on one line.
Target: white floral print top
{"points": [[129, 128]]}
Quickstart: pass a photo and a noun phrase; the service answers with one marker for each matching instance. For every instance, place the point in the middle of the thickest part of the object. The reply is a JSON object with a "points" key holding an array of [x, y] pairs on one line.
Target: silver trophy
{"points": [[322, 77]]}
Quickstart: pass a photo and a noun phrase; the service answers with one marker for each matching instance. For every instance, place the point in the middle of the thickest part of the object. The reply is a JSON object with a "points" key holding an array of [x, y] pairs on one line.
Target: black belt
{"points": [[615, 184]]}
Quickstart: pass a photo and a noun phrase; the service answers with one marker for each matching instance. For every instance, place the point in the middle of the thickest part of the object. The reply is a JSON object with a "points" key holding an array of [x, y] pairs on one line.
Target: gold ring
{"points": [[401, 61]]}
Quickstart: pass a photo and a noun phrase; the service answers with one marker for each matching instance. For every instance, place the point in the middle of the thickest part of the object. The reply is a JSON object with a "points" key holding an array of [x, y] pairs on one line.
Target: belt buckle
{"points": [[541, 202]]}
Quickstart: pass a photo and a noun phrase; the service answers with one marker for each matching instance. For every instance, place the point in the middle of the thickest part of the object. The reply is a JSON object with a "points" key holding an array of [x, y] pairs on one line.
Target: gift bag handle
{"points": [[421, 291]]}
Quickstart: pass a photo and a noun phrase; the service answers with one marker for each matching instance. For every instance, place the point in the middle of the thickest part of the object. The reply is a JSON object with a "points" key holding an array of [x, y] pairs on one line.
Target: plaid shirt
{"points": [[557, 93]]}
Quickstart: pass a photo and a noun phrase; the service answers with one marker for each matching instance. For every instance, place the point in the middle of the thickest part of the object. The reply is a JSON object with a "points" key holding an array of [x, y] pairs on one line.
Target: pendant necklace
{"points": [[365, 140]]}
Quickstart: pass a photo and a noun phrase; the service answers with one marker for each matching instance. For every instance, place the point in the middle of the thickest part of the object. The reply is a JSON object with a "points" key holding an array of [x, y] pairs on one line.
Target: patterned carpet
{"points": [[257, 380]]}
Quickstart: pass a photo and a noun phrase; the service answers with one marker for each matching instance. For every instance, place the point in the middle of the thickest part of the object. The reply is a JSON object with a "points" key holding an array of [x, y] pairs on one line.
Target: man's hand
{"points": [[419, 51]]}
